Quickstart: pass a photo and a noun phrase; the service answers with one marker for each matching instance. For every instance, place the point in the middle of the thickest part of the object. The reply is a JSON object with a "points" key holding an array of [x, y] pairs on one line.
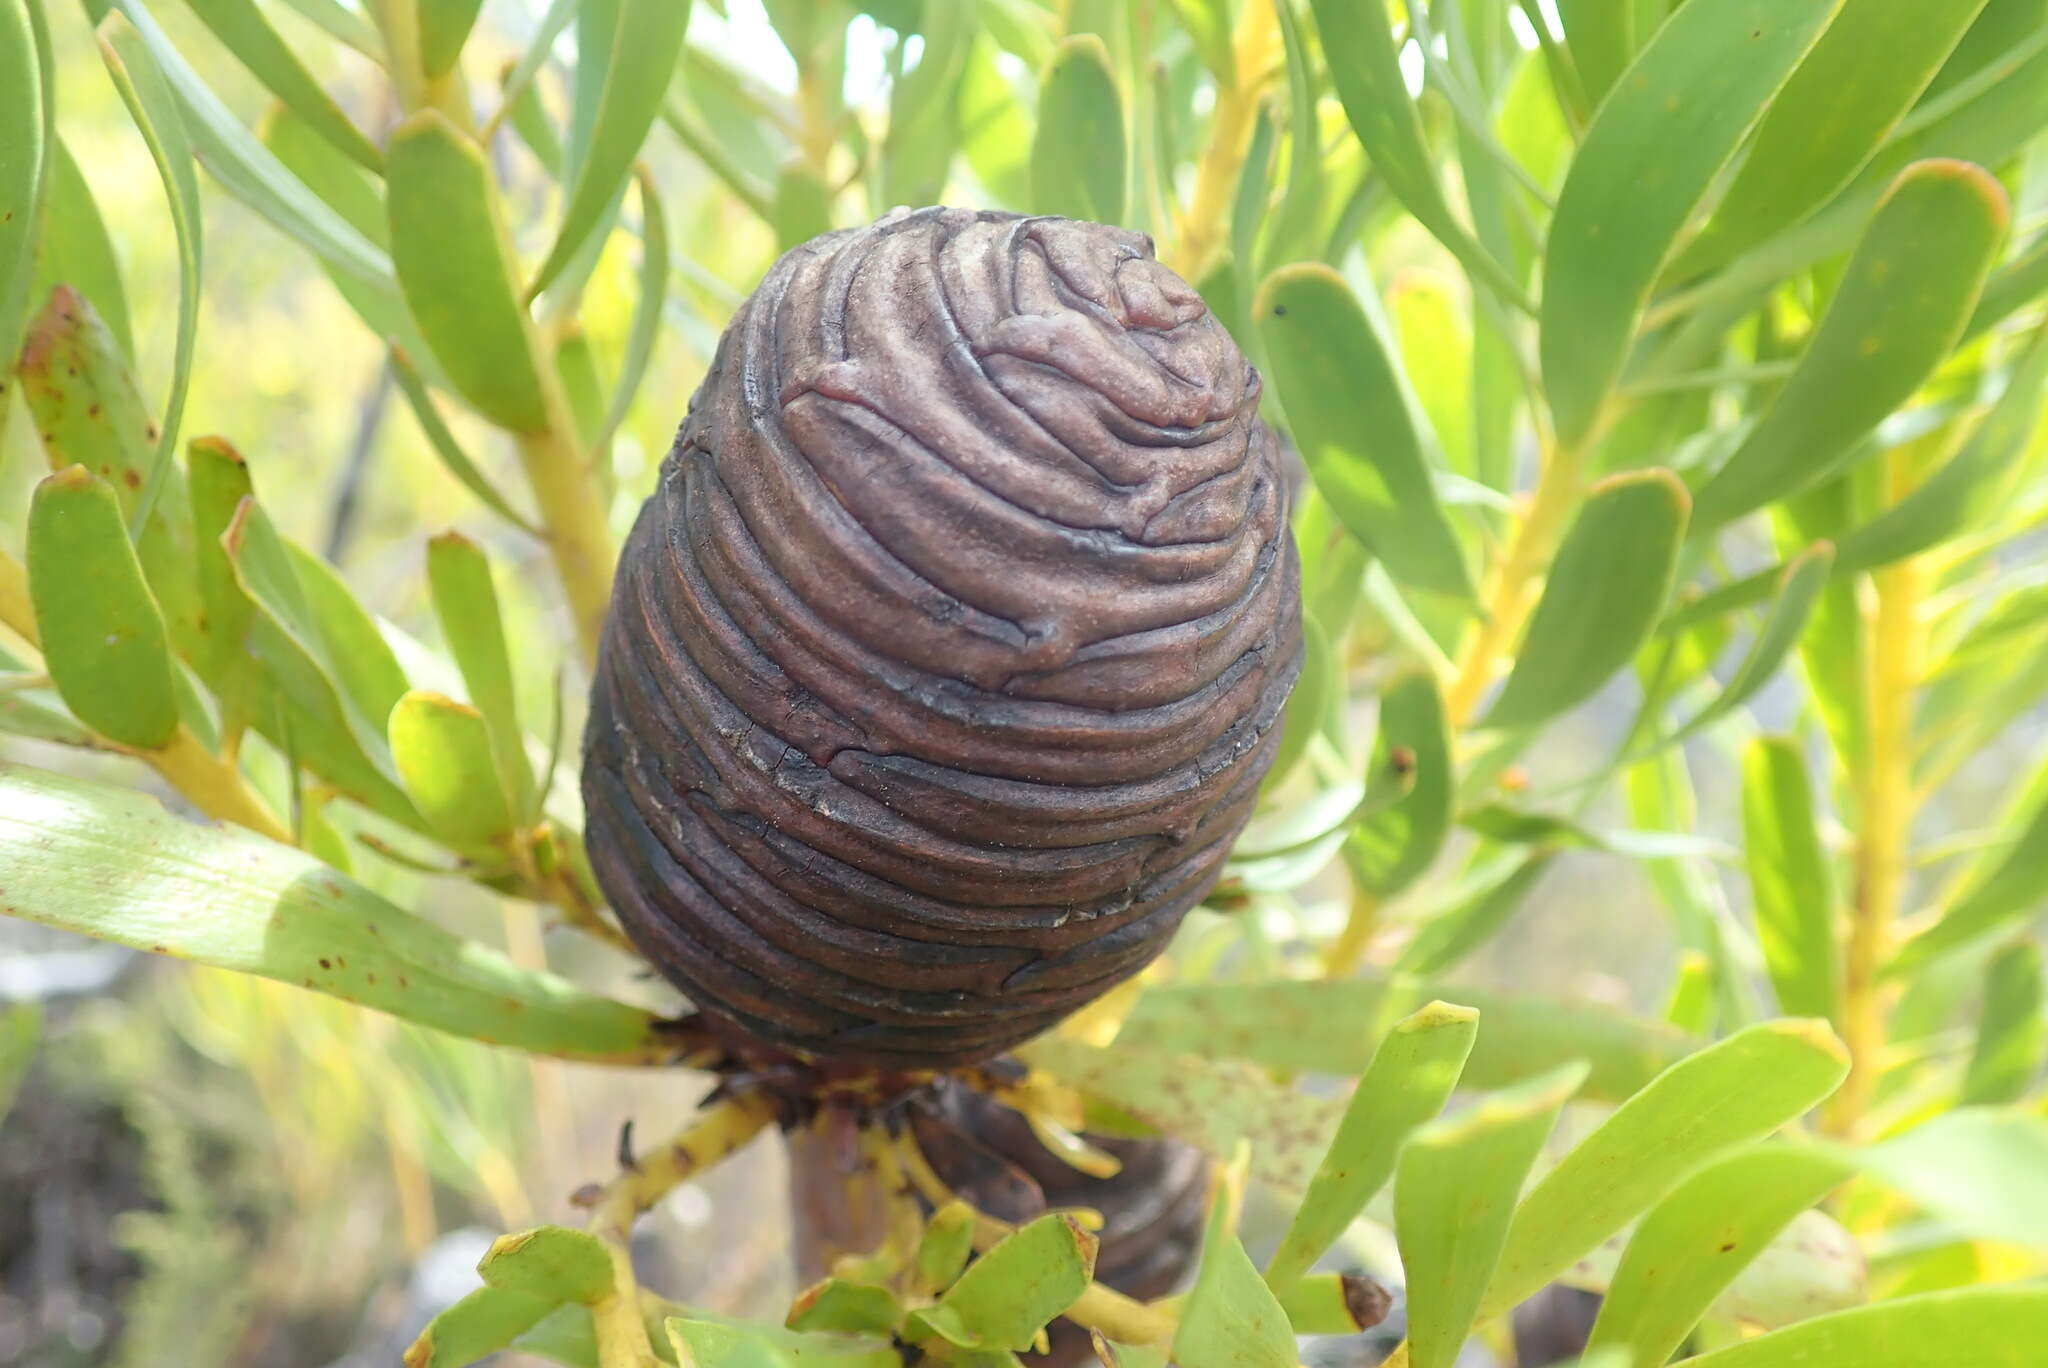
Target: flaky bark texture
{"points": [[945, 661]]}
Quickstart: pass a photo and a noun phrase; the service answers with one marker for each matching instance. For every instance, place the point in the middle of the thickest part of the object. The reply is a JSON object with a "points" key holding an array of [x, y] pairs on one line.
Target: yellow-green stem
{"points": [[1347, 952], [1885, 804], [1207, 221], [717, 1134], [214, 786], [565, 489], [16, 610], [1513, 590]]}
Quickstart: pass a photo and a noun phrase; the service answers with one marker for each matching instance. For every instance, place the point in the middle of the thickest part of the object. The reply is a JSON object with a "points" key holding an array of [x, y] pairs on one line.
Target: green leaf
{"points": [[344, 25], [850, 1308], [1452, 935], [1334, 1303], [1603, 596], [1799, 587], [924, 113], [550, 1263], [1694, 1243], [1335, 1027], [2012, 1031], [1690, 1005], [1983, 1171], [443, 753], [241, 27], [88, 412], [1791, 879], [1411, 1076], [1898, 312], [1231, 1319], [21, 1026], [1358, 426], [1454, 1199], [2008, 883], [75, 249], [249, 171], [1393, 847], [1079, 108], [1833, 114], [626, 53], [1358, 42], [1309, 704], [466, 602], [1011, 1292], [717, 1344], [102, 636], [1208, 23], [456, 268], [26, 153], [1729, 1094], [219, 480], [113, 864], [944, 1248], [1646, 164], [1601, 35], [1971, 488], [476, 1327], [444, 28], [414, 387], [150, 104], [1991, 1327]]}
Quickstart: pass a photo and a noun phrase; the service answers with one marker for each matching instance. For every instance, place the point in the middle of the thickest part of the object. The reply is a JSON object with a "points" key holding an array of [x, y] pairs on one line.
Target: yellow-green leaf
{"points": [[1078, 152], [444, 28], [1602, 597], [1987, 1327], [466, 602], [1791, 881], [1231, 1319], [1392, 847], [443, 753], [1357, 424], [551, 1263], [1899, 310], [243, 29], [1647, 162], [75, 249], [456, 268], [25, 156], [102, 636]]}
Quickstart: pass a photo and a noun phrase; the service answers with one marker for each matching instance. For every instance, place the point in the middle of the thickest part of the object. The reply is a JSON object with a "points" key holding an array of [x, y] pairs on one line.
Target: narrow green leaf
{"points": [[1899, 310], [1010, 1293], [1358, 426], [550, 1263], [21, 1026], [1799, 587], [1437, 357], [2012, 1028], [76, 250], [1358, 42], [26, 152], [344, 25], [456, 268], [1453, 935], [1454, 1199], [444, 28], [249, 171], [1411, 1076], [1729, 1094], [1333, 1027], [241, 27], [113, 864], [1309, 704], [1992, 1327], [647, 308], [219, 480], [1646, 164], [150, 104], [924, 110], [1208, 23], [836, 1306], [1603, 596], [720, 1344], [1079, 107], [103, 639], [414, 387], [443, 753], [2006, 884], [1791, 879], [1690, 1005], [517, 83], [1231, 1319], [1971, 487], [1833, 114], [1601, 35], [1694, 1243], [1393, 847], [1981, 1171], [476, 1327], [466, 602], [627, 52]]}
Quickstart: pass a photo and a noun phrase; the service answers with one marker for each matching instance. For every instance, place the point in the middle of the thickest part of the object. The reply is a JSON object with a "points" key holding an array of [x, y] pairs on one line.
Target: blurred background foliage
{"points": [[336, 1166]]}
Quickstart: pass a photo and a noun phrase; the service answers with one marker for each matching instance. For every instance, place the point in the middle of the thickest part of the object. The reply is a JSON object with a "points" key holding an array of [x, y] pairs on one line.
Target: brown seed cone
{"points": [[945, 661], [1153, 1208]]}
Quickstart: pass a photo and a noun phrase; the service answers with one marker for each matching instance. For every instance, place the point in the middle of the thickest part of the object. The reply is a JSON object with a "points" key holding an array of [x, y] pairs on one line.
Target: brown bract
{"points": [[945, 661]]}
